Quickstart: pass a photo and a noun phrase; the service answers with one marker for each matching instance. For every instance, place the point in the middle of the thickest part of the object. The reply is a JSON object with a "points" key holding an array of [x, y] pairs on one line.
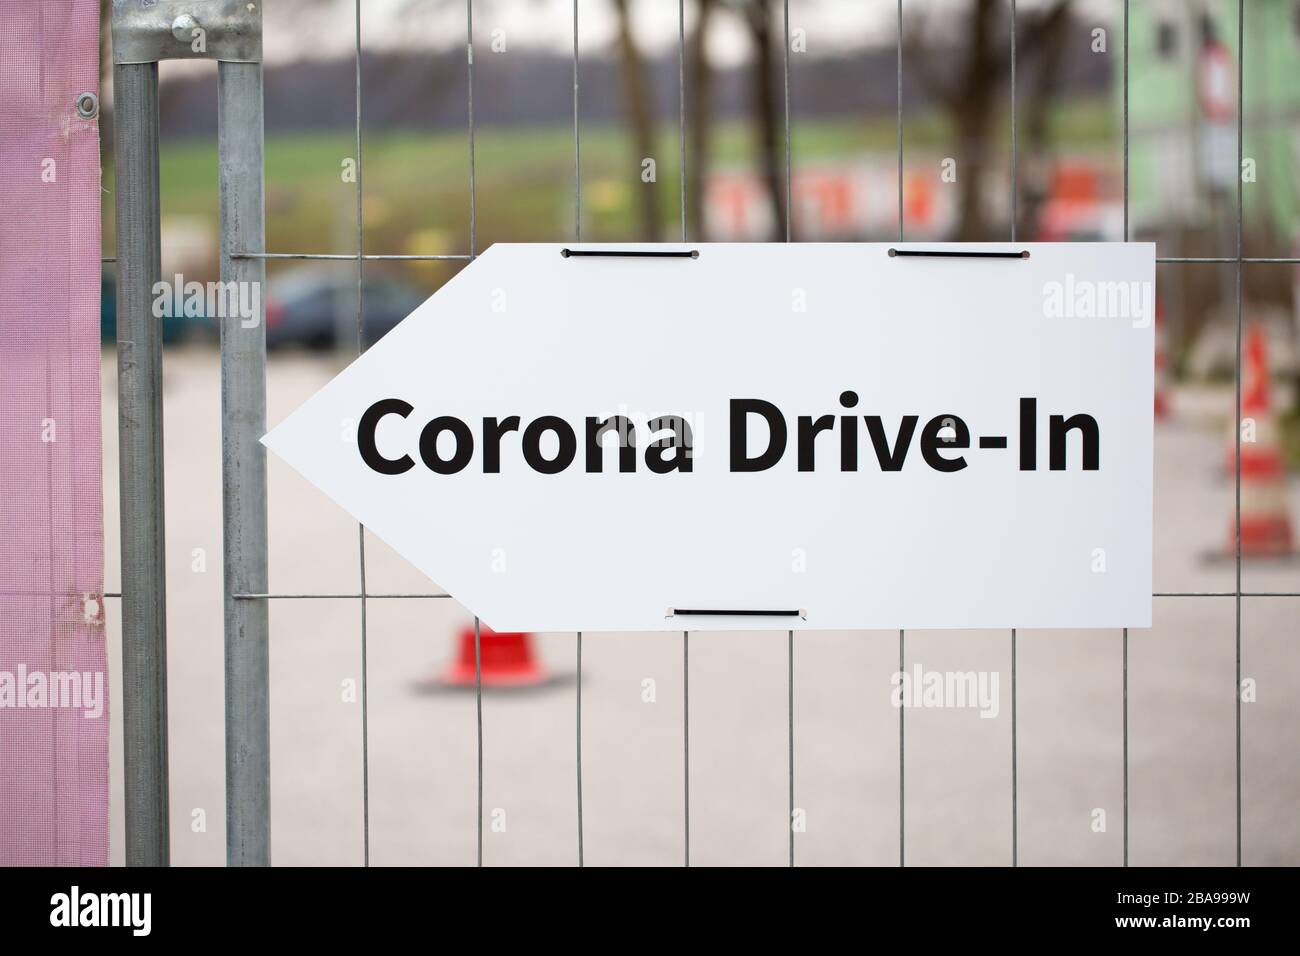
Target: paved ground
{"points": [[958, 766]]}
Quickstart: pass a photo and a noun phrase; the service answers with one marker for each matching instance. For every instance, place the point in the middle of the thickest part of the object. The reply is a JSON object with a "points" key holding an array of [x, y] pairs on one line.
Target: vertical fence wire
{"points": [[469, 68], [790, 711], [686, 748], [1124, 665], [1014, 183], [1124, 650], [577, 234], [902, 759], [789, 232], [902, 635], [1015, 769], [686, 636], [1241, 110], [681, 108], [789, 208], [478, 715], [577, 144], [473, 251], [1124, 93], [361, 531], [578, 746]]}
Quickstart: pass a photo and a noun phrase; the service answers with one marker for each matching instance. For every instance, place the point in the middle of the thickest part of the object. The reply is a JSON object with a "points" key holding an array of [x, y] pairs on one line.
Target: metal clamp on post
{"points": [[147, 31]]}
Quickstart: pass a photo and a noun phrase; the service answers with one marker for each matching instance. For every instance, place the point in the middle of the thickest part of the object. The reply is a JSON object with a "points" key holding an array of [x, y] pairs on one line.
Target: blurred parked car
{"points": [[174, 328], [317, 307]]}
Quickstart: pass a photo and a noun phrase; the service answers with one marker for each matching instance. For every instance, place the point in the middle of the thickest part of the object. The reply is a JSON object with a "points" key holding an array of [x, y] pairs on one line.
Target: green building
{"points": [[1183, 60]]}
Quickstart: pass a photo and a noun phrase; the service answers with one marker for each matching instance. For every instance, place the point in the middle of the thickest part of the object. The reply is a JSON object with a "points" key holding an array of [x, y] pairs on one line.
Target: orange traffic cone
{"points": [[1265, 519], [1265, 514], [1162, 366], [505, 660], [1261, 450]]}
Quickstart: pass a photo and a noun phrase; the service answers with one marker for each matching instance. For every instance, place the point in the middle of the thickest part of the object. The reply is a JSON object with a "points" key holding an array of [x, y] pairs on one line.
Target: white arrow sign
{"points": [[761, 436]]}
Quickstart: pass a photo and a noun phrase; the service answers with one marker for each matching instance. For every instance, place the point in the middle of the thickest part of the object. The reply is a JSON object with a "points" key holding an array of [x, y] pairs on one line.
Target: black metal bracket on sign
{"points": [[725, 612], [957, 254], [631, 253]]}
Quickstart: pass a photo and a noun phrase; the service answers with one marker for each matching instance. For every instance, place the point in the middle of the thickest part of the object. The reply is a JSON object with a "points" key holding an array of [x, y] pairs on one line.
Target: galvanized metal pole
{"points": [[243, 469], [140, 444]]}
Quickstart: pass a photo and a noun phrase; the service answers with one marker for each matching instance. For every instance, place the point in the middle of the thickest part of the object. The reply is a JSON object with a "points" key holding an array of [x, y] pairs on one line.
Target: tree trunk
{"points": [[972, 113], [640, 112], [699, 98], [765, 105], [1034, 174]]}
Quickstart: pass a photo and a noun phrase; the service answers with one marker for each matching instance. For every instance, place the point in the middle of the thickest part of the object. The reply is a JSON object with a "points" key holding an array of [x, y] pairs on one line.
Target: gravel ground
{"points": [[958, 777]]}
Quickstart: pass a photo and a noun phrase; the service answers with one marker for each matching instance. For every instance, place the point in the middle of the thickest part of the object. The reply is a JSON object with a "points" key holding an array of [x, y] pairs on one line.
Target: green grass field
{"points": [[416, 185]]}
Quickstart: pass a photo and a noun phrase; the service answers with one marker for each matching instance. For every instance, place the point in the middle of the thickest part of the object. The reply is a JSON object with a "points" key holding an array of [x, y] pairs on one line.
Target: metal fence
{"points": [[140, 42]]}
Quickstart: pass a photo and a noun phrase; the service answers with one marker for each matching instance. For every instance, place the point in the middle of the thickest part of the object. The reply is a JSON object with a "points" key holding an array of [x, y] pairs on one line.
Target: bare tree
{"points": [[760, 17], [640, 111], [1049, 58], [970, 93], [699, 97]]}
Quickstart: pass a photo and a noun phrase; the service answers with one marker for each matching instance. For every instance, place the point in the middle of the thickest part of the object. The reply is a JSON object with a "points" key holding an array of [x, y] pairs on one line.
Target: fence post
{"points": [[140, 444], [243, 470], [144, 33]]}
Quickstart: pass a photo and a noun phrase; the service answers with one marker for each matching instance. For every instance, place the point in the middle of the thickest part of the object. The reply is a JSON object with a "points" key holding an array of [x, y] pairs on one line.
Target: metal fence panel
{"points": [[244, 414]]}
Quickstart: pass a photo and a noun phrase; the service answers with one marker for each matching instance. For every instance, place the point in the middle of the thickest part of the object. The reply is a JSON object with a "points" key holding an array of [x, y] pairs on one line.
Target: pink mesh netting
{"points": [[53, 679]]}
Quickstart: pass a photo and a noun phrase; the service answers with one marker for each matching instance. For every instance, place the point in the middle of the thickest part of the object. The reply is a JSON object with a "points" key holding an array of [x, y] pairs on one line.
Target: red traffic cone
{"points": [[505, 660], [1261, 452], [1265, 519], [1265, 514]]}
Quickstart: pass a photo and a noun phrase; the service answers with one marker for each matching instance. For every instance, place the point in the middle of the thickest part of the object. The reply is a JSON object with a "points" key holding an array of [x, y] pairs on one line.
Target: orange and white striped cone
{"points": [[1261, 446], [505, 660], [1265, 512], [1265, 519]]}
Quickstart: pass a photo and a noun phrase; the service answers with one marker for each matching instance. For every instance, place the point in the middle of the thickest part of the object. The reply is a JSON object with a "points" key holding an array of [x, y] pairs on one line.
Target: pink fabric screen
{"points": [[53, 679]]}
